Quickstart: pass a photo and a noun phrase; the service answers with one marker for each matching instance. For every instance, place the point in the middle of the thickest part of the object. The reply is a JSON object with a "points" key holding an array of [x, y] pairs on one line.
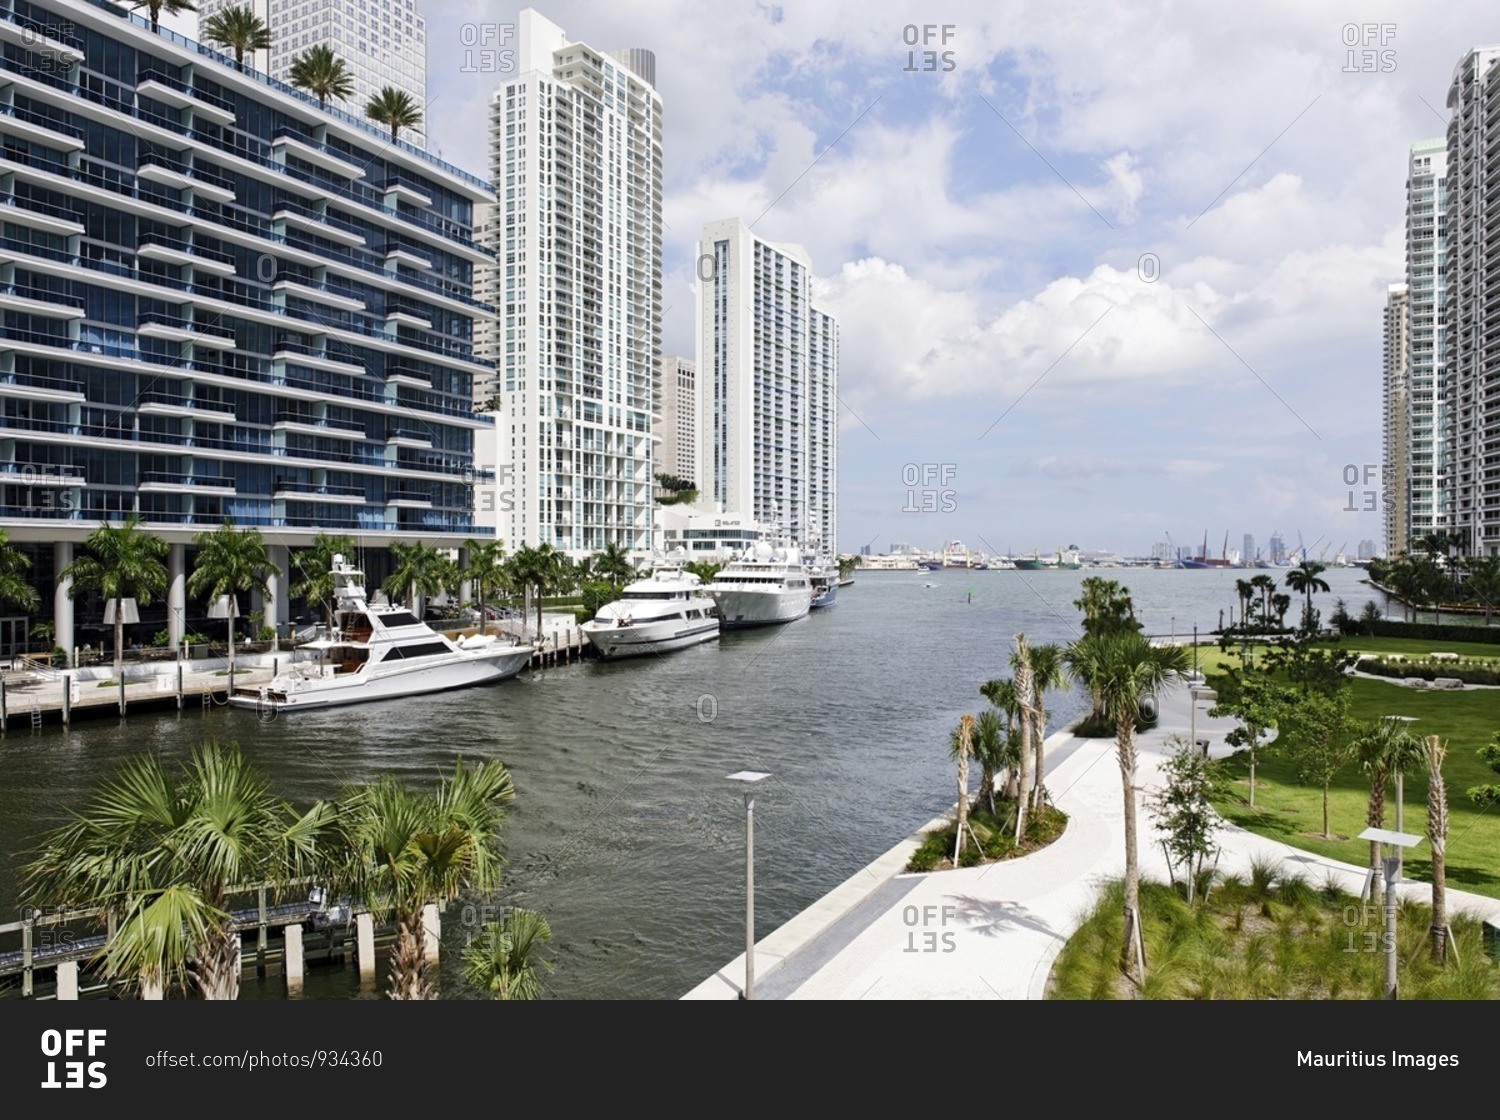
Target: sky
{"points": [[1106, 274]]}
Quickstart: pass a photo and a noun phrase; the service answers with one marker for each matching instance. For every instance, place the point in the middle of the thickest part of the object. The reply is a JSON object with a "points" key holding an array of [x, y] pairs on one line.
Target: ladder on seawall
{"points": [[36, 714]]}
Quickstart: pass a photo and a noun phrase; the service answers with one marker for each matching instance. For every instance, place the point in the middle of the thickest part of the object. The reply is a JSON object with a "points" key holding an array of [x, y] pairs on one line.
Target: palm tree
{"points": [[613, 563], [123, 561], [1281, 604], [406, 850], [1435, 750], [1047, 673], [536, 568], [962, 748], [1128, 670], [417, 570], [990, 743], [1106, 606], [1267, 588], [1483, 582], [703, 569], [156, 7], [15, 589], [322, 73], [159, 853], [394, 108], [1020, 663], [1305, 578], [238, 29], [314, 585], [484, 566], [1245, 593], [1381, 746], [499, 960], [1002, 695], [229, 561]]}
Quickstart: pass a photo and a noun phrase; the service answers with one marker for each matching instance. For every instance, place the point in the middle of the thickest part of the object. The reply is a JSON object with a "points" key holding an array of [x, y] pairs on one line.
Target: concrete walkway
{"points": [[993, 932]]}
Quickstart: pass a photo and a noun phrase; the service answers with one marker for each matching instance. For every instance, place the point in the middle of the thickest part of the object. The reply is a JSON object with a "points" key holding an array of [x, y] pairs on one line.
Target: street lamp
{"points": [[1196, 694], [749, 777], [1392, 865]]}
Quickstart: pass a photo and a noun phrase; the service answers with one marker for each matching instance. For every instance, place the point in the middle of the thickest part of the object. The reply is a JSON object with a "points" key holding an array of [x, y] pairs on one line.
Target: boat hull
{"points": [[612, 643], [825, 597], [298, 691], [741, 610]]}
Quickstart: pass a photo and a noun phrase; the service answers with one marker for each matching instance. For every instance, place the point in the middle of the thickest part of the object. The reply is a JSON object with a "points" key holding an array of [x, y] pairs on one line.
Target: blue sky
{"points": [[1117, 273]]}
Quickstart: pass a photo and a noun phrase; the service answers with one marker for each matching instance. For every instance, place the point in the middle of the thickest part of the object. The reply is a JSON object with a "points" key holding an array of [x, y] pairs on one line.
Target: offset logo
{"points": [[74, 1047]]}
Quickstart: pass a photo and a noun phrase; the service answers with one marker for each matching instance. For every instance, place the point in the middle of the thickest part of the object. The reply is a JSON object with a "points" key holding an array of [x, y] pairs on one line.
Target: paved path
{"points": [[993, 932]]}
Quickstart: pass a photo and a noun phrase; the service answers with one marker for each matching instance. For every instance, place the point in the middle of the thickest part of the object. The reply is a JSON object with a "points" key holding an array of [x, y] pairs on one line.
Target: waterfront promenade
{"points": [[993, 932]]}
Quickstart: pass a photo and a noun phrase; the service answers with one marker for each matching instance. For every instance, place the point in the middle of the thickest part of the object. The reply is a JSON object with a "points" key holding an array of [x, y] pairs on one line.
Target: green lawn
{"points": [[1419, 646], [1290, 812]]}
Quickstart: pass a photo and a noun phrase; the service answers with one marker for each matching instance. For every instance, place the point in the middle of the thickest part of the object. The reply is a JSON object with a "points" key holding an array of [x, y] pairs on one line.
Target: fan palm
{"points": [[1047, 673], [229, 561], [536, 569], [394, 108], [1128, 669], [501, 959], [1002, 695], [122, 561], [1380, 747], [613, 563], [1483, 582], [322, 73], [238, 29], [484, 566], [315, 584], [15, 588], [991, 750], [156, 7], [406, 850], [159, 853]]}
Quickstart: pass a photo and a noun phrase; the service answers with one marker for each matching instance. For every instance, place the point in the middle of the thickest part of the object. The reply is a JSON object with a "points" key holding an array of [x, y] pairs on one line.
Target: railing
{"points": [[221, 482], [163, 241]]}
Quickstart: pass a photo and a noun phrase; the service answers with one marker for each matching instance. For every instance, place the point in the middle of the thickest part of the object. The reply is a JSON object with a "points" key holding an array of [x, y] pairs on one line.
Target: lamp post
{"points": [[750, 778], [1392, 865]]}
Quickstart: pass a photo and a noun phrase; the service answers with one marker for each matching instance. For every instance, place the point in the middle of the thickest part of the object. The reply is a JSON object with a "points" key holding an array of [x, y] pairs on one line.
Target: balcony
{"points": [[401, 254], [400, 316], [39, 301], [162, 87], [407, 437], [157, 325], [289, 490], [163, 482], [35, 35], [322, 225], [159, 247], [312, 425], [46, 475], [53, 389], [42, 130], [157, 168], [156, 403], [296, 353], [315, 292], [408, 499], [396, 374], [287, 141], [41, 215], [404, 189]]}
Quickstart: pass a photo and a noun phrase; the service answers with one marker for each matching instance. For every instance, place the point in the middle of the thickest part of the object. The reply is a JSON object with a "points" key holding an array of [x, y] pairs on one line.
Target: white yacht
{"points": [[823, 571], [667, 610], [381, 653], [765, 586]]}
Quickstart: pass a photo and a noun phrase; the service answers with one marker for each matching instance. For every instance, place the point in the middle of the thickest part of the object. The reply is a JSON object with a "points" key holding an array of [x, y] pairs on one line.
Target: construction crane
{"points": [[1173, 546]]}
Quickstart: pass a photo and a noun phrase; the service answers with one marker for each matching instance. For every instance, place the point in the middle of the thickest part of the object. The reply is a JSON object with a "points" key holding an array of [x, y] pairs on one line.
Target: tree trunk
{"points": [[1022, 681], [1254, 738], [1375, 818], [1130, 961], [987, 785], [1039, 745], [217, 968], [1326, 834], [119, 638], [1437, 838], [408, 975], [965, 727]]}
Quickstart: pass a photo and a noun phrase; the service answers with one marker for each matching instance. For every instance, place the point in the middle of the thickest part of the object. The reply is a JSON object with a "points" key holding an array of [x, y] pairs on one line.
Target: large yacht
{"points": [[381, 653], [667, 610], [765, 586], [823, 572]]}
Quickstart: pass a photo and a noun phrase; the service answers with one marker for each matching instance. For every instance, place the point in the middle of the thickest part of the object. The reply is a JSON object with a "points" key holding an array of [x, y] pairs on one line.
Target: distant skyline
{"points": [[1101, 274]]}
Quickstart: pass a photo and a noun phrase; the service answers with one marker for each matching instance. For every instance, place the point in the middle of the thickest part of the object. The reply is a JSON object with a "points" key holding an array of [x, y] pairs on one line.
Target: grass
{"points": [[1287, 811], [1275, 936], [996, 835], [1419, 646]]}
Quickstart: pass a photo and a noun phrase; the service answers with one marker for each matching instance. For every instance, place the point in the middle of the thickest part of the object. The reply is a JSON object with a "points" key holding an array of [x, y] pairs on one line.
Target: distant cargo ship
{"points": [[1067, 560]]}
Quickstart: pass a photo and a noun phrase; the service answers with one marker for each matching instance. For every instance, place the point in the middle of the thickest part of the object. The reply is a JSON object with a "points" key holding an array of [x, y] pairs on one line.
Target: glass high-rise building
{"points": [[1426, 438], [383, 42], [767, 361], [1396, 376], [218, 300], [576, 143]]}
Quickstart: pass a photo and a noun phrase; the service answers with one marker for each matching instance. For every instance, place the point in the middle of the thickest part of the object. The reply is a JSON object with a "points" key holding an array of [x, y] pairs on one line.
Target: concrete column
{"points": [[62, 602], [432, 930], [364, 951], [278, 604], [292, 960], [176, 594], [67, 980]]}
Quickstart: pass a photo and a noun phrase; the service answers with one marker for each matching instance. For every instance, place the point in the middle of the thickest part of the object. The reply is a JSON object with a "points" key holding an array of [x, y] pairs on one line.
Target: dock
{"points": [[31, 696]]}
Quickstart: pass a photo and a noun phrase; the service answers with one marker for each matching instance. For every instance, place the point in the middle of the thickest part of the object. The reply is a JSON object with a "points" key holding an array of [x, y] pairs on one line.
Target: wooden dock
{"points": [[30, 698]]}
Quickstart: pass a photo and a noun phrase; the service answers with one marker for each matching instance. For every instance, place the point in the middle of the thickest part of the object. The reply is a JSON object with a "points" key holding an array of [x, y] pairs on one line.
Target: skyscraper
{"points": [[1426, 335], [575, 139], [383, 42], [212, 308], [1473, 342], [1395, 481], [677, 428], [767, 385]]}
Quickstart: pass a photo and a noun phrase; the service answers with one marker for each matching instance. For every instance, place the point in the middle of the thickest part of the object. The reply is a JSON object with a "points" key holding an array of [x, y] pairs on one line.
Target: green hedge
{"points": [[1434, 631], [1431, 670]]}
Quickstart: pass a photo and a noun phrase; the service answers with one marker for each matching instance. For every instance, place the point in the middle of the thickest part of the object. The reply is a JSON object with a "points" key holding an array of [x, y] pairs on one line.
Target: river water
{"points": [[625, 833]]}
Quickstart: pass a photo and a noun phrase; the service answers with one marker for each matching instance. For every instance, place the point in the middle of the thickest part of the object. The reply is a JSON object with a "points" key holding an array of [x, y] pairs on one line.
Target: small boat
{"points": [[823, 572], [381, 653], [668, 610]]}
